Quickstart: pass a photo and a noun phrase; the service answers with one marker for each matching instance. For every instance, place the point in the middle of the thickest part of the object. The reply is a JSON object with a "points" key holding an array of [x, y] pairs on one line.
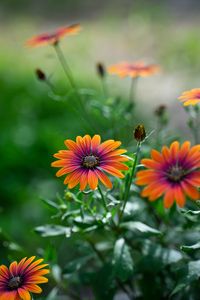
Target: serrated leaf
{"points": [[140, 227], [53, 230], [190, 248], [122, 262]]}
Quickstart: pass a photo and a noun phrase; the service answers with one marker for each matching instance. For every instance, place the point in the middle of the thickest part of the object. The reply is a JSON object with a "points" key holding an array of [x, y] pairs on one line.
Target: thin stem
{"points": [[103, 199], [104, 87], [128, 186], [133, 81], [65, 65]]}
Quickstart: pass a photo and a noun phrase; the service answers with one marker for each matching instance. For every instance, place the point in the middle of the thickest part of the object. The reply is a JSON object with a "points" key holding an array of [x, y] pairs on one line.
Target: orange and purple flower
{"points": [[191, 97], [174, 173], [135, 69], [21, 279], [88, 159], [53, 37]]}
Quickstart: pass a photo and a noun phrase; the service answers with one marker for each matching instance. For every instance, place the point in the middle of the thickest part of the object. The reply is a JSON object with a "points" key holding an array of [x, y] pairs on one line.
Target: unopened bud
{"points": [[69, 196], [160, 110], [40, 74], [101, 70], [139, 133]]}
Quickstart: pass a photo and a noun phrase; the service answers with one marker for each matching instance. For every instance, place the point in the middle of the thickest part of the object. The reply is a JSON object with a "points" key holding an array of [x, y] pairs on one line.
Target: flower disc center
{"points": [[90, 161], [14, 282], [176, 173]]}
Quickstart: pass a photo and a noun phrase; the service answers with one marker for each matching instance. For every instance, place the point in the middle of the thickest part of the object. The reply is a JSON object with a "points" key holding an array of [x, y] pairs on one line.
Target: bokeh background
{"points": [[33, 125]]}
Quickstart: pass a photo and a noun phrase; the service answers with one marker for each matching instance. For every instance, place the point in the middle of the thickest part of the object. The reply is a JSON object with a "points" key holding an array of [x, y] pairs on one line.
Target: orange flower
{"points": [[21, 279], [136, 69], [87, 159], [191, 97], [174, 173], [53, 37]]}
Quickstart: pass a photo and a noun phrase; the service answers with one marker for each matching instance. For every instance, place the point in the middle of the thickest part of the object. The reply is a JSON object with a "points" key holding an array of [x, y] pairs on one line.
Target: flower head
{"points": [[174, 173], [191, 97], [21, 279], [53, 37], [88, 159], [135, 69]]}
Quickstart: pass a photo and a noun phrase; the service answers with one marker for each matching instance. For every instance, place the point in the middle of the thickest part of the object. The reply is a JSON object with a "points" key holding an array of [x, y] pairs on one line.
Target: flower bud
{"points": [[101, 70], [40, 75], [139, 133], [160, 110]]}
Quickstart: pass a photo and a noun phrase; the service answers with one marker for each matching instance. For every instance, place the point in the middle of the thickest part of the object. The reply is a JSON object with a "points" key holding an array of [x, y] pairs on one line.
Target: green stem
{"points": [[104, 87], [103, 199], [65, 65], [133, 81], [128, 186]]}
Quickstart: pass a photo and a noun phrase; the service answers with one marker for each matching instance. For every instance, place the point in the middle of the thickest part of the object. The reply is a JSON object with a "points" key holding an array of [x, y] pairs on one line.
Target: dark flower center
{"points": [[90, 161], [176, 173], [14, 282]]}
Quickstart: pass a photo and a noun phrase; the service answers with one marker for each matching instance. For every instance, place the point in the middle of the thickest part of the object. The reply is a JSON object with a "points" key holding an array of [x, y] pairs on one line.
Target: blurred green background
{"points": [[33, 124]]}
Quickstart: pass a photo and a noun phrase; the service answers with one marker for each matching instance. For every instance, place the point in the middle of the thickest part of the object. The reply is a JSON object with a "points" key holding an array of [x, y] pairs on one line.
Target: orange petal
{"points": [[25, 295], [169, 198], [104, 178], [92, 180]]}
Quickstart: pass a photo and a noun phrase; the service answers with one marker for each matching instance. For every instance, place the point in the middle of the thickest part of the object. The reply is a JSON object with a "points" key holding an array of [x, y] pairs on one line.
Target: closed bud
{"points": [[101, 70], [160, 110], [139, 133], [40, 74]]}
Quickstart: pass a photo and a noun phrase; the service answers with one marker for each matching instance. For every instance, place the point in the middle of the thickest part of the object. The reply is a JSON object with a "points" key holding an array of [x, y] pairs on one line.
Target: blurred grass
{"points": [[33, 125]]}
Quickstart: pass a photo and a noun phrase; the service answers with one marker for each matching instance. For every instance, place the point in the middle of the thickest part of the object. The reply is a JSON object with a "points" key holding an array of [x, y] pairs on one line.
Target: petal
{"points": [[95, 142], [190, 190], [25, 295], [156, 156], [83, 180], [92, 180], [112, 171], [104, 178], [13, 268], [169, 198], [33, 288], [75, 178], [179, 196]]}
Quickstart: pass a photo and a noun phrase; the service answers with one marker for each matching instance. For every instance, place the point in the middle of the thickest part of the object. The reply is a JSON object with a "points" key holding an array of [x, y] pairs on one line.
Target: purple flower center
{"points": [[14, 282], [176, 173], [90, 161]]}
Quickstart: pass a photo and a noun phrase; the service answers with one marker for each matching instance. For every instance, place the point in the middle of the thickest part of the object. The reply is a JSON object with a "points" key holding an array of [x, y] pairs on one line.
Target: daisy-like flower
{"points": [[174, 173], [191, 97], [53, 37], [88, 159], [135, 69], [21, 279]]}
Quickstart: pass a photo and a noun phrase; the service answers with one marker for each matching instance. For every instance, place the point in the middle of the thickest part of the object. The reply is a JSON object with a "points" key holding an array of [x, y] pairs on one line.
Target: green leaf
{"points": [[76, 264], [50, 203], [53, 230], [154, 257], [194, 269], [122, 262], [193, 274], [139, 227], [190, 248]]}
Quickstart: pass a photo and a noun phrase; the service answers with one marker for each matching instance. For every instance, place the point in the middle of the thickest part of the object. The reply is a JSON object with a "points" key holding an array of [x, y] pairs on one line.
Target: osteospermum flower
{"points": [[191, 97], [174, 173], [133, 70], [88, 159], [21, 279], [53, 37]]}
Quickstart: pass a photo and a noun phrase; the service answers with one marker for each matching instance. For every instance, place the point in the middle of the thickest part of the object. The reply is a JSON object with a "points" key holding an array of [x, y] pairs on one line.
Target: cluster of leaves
{"points": [[151, 254]]}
